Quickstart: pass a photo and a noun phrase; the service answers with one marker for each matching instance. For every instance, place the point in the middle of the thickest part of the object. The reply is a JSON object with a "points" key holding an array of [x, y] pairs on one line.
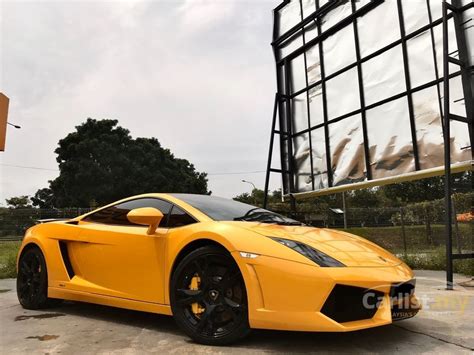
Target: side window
{"points": [[117, 214], [179, 218]]}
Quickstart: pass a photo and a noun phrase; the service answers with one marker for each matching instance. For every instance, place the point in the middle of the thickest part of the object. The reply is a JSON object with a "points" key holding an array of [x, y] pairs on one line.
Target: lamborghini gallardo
{"points": [[218, 266]]}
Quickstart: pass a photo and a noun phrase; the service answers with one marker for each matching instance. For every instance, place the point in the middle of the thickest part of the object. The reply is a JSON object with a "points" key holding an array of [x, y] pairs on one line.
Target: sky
{"points": [[197, 75]]}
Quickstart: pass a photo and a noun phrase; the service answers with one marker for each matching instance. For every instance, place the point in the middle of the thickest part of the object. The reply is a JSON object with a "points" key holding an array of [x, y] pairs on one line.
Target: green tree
{"points": [[257, 196], [365, 198], [415, 191], [43, 198], [100, 162], [19, 202], [245, 198]]}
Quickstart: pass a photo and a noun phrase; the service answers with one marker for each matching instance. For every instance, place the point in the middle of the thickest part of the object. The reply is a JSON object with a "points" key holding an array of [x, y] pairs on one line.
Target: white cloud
{"points": [[200, 15], [207, 97]]}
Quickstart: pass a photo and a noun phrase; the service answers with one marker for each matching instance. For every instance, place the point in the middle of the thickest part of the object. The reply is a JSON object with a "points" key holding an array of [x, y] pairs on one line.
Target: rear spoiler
{"points": [[48, 220]]}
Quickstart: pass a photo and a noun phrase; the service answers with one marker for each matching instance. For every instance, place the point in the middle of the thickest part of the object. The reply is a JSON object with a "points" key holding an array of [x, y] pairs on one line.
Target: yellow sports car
{"points": [[220, 267]]}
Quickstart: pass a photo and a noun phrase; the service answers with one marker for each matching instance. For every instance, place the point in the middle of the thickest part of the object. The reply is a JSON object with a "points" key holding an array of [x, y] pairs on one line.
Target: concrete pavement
{"points": [[445, 325]]}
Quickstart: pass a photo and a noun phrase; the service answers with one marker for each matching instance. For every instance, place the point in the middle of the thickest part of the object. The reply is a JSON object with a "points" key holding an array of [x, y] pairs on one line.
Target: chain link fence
{"points": [[14, 222], [403, 230], [414, 229]]}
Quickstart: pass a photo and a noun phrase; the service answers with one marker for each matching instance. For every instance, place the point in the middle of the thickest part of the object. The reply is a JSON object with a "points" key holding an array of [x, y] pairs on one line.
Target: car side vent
{"points": [[349, 303], [66, 260]]}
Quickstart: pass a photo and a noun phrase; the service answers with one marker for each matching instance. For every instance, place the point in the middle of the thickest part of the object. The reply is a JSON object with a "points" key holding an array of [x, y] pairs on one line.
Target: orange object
{"points": [[465, 217], [3, 120]]}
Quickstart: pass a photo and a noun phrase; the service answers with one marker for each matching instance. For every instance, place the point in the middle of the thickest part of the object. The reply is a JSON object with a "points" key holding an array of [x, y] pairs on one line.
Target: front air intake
{"points": [[402, 290], [349, 303]]}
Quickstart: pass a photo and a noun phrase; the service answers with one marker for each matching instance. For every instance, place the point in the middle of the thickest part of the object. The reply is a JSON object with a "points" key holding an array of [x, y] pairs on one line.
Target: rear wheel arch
{"points": [[32, 278], [30, 246], [26, 247]]}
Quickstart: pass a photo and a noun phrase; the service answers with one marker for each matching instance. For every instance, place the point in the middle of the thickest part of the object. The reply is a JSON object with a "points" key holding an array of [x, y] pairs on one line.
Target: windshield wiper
{"points": [[252, 216], [280, 223], [274, 218], [288, 223]]}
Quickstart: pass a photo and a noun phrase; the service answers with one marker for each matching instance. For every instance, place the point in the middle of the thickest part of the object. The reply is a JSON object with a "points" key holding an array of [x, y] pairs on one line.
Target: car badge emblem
{"points": [[214, 294]]}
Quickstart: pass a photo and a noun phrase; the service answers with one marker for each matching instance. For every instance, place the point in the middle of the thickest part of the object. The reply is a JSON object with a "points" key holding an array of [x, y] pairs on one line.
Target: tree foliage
{"points": [[428, 189], [366, 198], [100, 162], [394, 195], [257, 196], [416, 191], [18, 202]]}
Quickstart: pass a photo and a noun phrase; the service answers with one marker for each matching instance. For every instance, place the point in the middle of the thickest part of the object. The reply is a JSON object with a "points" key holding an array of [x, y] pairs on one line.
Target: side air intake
{"points": [[66, 259]]}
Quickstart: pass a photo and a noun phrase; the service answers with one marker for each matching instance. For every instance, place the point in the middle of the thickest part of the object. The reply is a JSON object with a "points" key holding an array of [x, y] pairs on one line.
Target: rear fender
{"points": [[46, 237]]}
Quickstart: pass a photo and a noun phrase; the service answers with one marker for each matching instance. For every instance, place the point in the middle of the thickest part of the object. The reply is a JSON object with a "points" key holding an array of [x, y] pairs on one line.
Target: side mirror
{"points": [[147, 216]]}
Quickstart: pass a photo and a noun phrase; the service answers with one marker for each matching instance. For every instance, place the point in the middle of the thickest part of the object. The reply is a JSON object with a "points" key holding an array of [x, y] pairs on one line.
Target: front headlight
{"points": [[312, 254]]}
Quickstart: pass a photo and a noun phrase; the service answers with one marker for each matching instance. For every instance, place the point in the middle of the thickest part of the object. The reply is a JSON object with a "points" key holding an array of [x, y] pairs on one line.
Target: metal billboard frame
{"points": [[283, 116]]}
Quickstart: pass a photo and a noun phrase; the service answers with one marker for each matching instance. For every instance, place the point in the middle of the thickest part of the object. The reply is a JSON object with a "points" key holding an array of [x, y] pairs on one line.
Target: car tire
{"points": [[215, 311], [32, 281]]}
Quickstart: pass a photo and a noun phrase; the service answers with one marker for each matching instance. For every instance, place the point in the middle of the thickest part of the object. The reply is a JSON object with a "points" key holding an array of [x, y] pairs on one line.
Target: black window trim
{"points": [[173, 205], [143, 226]]}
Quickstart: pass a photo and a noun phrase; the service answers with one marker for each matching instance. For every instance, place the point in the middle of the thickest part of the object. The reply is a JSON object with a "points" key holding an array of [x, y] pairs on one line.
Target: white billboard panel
{"points": [[361, 90]]}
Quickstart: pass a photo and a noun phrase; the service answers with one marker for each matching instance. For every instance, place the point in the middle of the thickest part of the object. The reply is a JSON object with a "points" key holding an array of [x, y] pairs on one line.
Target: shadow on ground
{"points": [[392, 337]]}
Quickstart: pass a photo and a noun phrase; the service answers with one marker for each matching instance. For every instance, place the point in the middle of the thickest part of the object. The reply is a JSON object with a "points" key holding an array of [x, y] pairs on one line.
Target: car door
{"points": [[118, 258]]}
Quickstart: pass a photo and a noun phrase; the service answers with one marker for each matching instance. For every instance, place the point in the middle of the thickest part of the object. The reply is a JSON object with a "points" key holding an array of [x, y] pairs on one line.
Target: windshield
{"points": [[222, 209]]}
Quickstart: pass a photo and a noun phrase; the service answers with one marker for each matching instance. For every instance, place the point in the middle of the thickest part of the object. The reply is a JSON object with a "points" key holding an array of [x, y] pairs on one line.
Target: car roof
{"points": [[171, 197]]}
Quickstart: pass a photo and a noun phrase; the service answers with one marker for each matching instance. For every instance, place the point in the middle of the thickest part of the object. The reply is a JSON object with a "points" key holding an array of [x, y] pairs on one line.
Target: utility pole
{"points": [[254, 188], [344, 209]]}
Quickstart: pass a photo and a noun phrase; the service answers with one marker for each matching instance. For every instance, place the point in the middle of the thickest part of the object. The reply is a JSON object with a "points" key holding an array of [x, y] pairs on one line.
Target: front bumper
{"points": [[405, 312], [287, 295], [404, 303]]}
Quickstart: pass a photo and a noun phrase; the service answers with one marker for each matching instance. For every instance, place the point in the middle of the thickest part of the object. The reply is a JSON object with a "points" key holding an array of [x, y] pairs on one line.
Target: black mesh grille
{"points": [[402, 308], [402, 290], [349, 303]]}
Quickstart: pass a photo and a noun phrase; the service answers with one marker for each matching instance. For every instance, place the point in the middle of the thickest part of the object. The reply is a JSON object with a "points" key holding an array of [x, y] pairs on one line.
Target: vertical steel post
{"points": [[293, 205], [447, 153], [307, 102], [429, 233], [404, 235], [406, 67], [270, 152], [456, 228], [344, 209], [325, 103], [435, 57], [363, 112], [466, 73], [289, 128]]}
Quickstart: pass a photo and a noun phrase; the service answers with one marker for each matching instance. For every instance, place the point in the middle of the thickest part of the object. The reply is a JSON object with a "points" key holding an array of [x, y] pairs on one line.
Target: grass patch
{"points": [[417, 241], [436, 260], [8, 253], [422, 254]]}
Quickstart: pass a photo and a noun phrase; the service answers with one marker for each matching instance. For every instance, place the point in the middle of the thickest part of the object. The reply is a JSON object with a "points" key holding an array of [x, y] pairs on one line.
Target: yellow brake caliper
{"points": [[194, 285]]}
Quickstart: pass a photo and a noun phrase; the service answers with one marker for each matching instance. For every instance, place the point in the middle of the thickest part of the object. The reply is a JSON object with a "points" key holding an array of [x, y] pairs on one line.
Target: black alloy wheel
{"points": [[208, 297], [32, 281]]}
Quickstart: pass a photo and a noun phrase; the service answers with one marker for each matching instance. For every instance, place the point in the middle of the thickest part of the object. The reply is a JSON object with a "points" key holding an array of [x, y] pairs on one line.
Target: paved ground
{"points": [[446, 325]]}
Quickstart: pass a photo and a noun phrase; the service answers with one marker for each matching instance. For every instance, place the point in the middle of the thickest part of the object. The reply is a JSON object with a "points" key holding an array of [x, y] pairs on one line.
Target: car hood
{"points": [[349, 249]]}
